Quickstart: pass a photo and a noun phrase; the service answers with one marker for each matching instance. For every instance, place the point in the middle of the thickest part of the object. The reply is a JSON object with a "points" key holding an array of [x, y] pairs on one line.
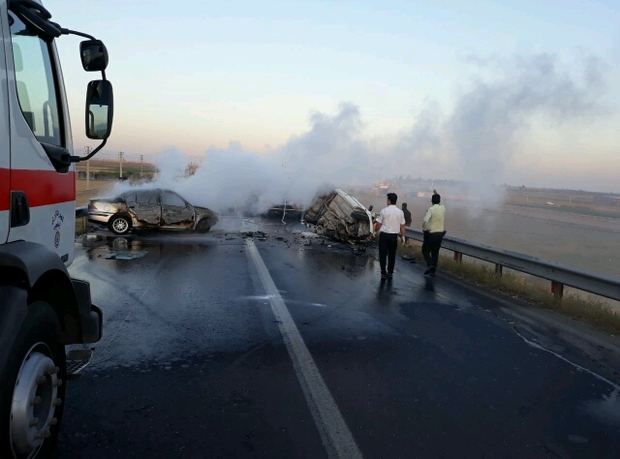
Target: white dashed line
{"points": [[334, 432]]}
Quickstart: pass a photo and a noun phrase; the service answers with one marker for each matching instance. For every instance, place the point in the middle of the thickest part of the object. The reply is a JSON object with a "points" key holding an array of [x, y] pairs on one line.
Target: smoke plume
{"points": [[474, 142]]}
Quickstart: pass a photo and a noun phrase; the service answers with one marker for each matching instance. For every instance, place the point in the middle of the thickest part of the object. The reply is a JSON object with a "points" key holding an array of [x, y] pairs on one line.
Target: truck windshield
{"points": [[35, 81]]}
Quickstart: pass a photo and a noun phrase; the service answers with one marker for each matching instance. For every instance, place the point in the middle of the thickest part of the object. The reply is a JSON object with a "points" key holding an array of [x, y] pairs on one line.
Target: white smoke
{"points": [[474, 143], [326, 156], [488, 116]]}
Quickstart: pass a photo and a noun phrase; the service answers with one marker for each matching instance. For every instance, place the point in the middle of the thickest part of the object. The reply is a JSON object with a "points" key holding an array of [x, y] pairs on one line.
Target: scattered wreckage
{"points": [[340, 216], [285, 212]]}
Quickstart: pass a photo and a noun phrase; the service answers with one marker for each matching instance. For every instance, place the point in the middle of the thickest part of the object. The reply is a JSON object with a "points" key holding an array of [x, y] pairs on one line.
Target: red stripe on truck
{"points": [[5, 196], [41, 187]]}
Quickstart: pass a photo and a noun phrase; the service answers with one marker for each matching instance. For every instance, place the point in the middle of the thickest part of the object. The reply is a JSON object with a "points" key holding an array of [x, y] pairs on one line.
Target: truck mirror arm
{"points": [[74, 32], [77, 159], [38, 17]]}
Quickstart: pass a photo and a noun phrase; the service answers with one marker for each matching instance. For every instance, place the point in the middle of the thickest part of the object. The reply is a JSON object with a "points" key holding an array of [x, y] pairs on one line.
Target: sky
{"points": [[519, 92]]}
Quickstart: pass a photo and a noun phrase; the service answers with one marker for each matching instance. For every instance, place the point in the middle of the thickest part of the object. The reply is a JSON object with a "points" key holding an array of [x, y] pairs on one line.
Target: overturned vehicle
{"points": [[340, 216]]}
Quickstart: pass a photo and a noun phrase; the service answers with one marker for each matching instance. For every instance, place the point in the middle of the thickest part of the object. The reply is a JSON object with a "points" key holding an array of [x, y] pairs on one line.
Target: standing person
{"points": [[433, 227], [407, 214], [390, 223]]}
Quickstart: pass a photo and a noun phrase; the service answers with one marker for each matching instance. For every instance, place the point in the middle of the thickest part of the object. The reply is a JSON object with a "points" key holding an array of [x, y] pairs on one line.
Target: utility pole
{"points": [[120, 163], [87, 148], [284, 164], [141, 161]]}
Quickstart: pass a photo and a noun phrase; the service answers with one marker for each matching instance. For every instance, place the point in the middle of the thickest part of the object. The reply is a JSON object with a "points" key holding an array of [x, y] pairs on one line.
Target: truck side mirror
{"points": [[99, 109], [94, 55]]}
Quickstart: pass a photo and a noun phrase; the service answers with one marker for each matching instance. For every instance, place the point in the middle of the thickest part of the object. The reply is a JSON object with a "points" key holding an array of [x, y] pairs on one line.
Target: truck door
{"points": [[39, 128], [5, 158]]}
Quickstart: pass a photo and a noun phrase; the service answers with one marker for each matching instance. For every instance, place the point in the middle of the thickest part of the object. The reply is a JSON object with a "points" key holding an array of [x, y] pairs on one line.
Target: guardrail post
{"points": [[557, 289], [498, 269], [458, 257]]}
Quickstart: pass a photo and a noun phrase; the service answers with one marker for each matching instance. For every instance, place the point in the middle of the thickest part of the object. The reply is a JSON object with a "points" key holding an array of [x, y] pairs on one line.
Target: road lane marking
{"points": [[267, 297], [335, 434]]}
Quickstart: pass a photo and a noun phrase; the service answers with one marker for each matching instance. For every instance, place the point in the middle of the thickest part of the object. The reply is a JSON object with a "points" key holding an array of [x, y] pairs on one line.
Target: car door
{"points": [[176, 212], [146, 206]]}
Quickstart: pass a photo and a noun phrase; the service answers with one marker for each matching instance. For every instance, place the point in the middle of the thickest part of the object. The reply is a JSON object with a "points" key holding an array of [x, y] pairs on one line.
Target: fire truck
{"points": [[43, 311]]}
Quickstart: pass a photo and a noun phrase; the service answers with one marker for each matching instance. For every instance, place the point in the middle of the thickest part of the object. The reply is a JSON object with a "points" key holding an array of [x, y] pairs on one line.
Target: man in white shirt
{"points": [[433, 227], [390, 223]]}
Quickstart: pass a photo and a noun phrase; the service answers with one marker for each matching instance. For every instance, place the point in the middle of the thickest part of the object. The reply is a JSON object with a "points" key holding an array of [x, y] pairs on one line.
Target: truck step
{"points": [[77, 360]]}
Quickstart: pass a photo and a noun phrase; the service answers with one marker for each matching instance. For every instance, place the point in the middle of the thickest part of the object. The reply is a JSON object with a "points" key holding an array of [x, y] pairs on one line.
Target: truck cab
{"points": [[42, 309]]}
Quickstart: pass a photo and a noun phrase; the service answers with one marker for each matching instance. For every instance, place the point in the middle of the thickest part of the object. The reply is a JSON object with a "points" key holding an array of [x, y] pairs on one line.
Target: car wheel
{"points": [[119, 224], [31, 387], [359, 216], [204, 225]]}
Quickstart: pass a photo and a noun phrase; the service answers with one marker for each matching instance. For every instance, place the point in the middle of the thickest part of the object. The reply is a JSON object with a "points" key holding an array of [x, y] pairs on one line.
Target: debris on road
{"points": [[306, 234], [124, 255], [410, 258], [255, 234], [285, 212]]}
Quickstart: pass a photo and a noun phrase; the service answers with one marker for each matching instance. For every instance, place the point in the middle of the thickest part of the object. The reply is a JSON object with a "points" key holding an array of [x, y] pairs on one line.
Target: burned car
{"points": [[150, 209], [285, 212], [342, 217]]}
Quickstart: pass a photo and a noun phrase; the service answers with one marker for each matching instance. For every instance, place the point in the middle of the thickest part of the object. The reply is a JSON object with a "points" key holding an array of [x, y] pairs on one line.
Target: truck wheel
{"points": [[119, 224], [31, 387], [204, 225]]}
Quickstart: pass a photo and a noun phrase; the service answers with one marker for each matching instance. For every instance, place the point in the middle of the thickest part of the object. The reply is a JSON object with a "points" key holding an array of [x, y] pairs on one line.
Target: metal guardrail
{"points": [[559, 274]]}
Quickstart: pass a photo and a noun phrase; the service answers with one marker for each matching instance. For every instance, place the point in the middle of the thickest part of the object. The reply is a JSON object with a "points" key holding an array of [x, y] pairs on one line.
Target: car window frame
{"points": [[150, 194], [134, 194]]}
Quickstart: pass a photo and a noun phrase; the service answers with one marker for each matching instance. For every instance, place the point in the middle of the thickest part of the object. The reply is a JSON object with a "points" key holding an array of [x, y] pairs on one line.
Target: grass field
{"points": [[589, 242], [95, 188]]}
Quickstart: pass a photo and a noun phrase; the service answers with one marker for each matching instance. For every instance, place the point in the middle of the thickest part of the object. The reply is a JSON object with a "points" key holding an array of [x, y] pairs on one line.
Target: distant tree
{"points": [[191, 169]]}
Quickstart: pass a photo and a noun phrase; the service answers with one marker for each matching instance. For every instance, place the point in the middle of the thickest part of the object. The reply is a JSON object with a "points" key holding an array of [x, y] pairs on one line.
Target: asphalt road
{"points": [[227, 346]]}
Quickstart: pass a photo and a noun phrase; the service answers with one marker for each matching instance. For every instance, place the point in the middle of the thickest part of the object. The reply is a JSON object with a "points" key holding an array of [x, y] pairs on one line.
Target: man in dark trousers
{"points": [[433, 226], [406, 213], [390, 223]]}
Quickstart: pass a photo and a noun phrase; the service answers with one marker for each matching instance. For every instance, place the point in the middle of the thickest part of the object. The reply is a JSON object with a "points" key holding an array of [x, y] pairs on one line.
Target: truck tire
{"points": [[32, 387], [119, 224], [204, 225]]}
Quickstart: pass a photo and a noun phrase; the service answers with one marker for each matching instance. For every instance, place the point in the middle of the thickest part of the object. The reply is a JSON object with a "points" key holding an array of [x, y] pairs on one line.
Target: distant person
{"points": [[433, 227], [407, 214], [390, 223]]}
